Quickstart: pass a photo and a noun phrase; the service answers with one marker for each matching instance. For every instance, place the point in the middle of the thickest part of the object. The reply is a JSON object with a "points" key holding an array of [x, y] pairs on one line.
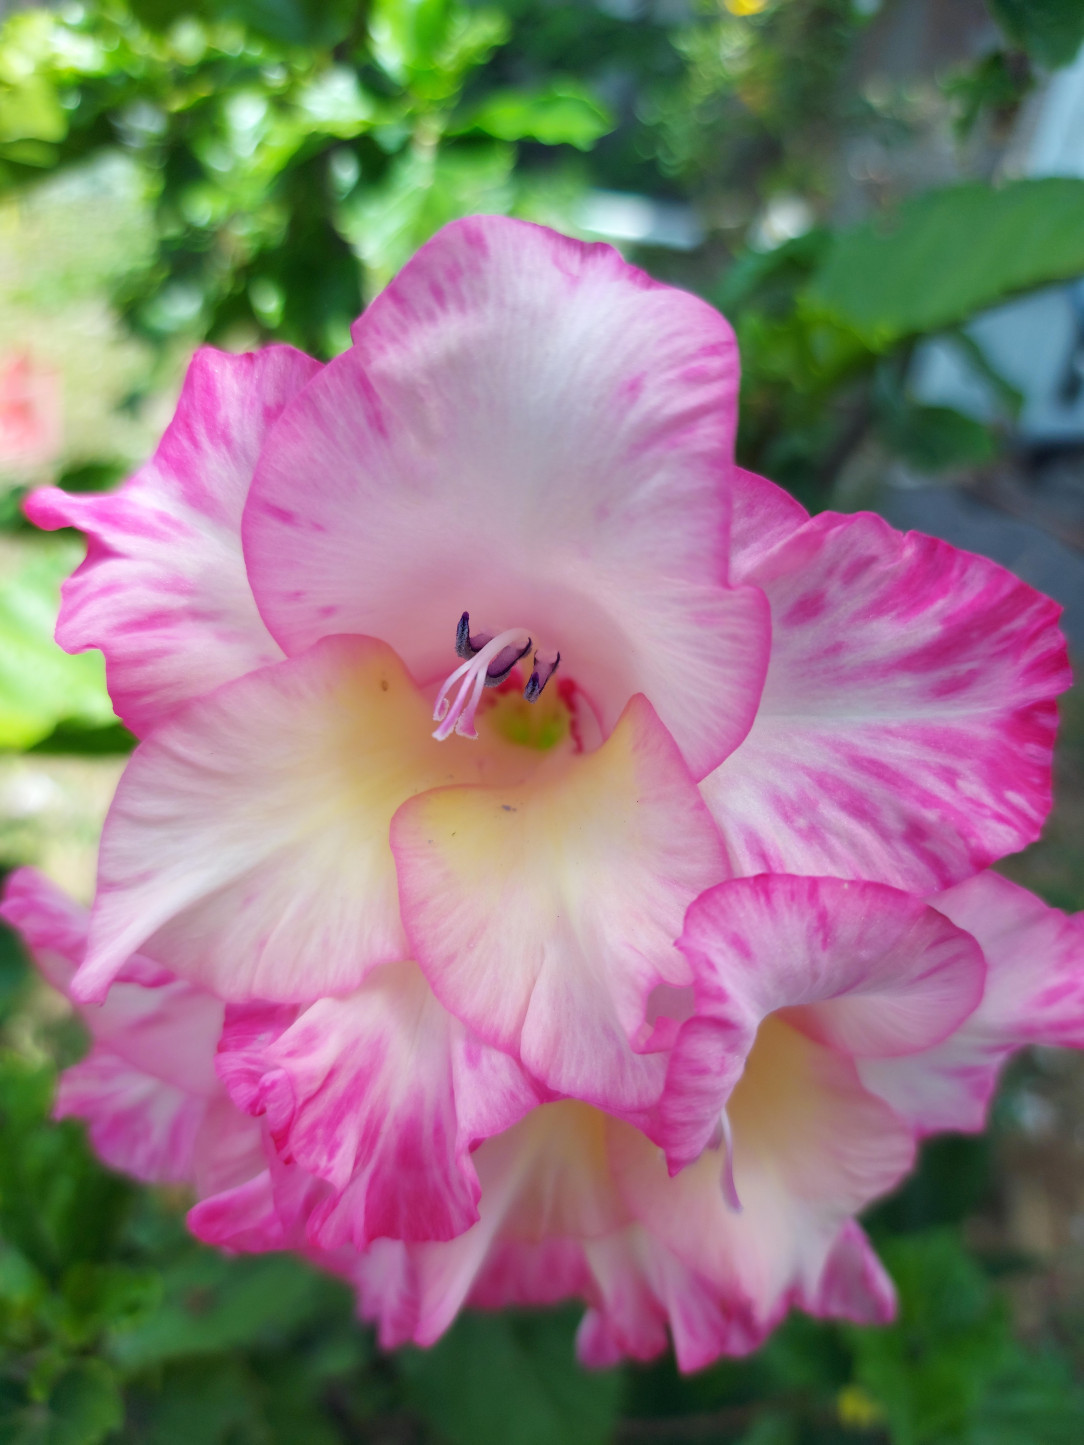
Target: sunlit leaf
{"points": [[39, 684], [947, 254], [563, 113]]}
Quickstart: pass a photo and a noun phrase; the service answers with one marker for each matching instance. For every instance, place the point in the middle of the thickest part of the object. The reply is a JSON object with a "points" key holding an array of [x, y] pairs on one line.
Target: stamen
{"points": [[544, 668], [486, 666], [730, 1189], [487, 661], [465, 645]]}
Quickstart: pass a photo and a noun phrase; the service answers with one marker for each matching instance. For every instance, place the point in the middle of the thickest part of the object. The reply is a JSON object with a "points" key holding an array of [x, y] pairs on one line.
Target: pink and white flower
{"points": [[535, 803]]}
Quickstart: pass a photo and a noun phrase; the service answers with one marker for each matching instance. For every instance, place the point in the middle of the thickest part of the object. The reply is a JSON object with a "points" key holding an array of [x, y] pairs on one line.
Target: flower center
{"points": [[488, 660]]}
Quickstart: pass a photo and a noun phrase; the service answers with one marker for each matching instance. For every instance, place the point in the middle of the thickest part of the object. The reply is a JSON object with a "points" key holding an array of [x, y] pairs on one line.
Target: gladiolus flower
{"points": [[567, 854]]}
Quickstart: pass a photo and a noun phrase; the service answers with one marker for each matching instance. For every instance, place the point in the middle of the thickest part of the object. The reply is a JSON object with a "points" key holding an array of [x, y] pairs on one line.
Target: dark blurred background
{"points": [[886, 197]]}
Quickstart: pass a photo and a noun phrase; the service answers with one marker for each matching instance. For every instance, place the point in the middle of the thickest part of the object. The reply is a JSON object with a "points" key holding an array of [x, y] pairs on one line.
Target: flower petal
{"points": [[864, 969], [163, 591], [811, 1147], [160, 1025], [243, 1219], [543, 915], [637, 1287], [854, 1285], [532, 430], [136, 1123], [247, 845], [566, 1194], [907, 721], [544, 1180], [762, 516], [373, 1093], [147, 1090], [1034, 995]]}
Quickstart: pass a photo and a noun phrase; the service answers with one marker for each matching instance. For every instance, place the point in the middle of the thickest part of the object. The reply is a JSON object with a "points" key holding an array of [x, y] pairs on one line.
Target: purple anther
{"points": [[504, 662], [544, 668], [467, 646]]}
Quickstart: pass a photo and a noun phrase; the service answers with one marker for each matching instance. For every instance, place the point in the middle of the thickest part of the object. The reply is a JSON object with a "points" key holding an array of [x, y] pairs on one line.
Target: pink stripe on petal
{"points": [[147, 1090], [905, 730], [1034, 995], [812, 1147], [865, 969], [163, 591], [373, 1094], [577, 1206], [137, 1123], [855, 1285]]}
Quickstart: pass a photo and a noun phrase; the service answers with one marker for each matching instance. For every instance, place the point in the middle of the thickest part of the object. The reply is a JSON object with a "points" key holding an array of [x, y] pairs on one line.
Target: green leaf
{"points": [[421, 193], [1034, 1398], [196, 1402], [85, 1405], [432, 43], [772, 1428], [334, 102], [31, 111], [289, 22], [1050, 30], [14, 970], [21, 1285], [211, 1304], [947, 254], [934, 438], [98, 1297], [931, 1370], [57, 1204], [40, 685], [562, 113], [74, 737], [512, 1380]]}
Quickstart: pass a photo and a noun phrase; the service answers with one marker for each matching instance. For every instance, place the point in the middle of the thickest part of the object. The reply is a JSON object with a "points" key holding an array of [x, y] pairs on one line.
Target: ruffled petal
{"points": [[247, 846], [243, 1219], [854, 1284], [907, 721], [1034, 995], [530, 429], [543, 915], [544, 1180], [867, 970], [571, 1201], [159, 1025], [163, 590], [811, 1147], [137, 1123], [147, 1090], [367, 1093]]}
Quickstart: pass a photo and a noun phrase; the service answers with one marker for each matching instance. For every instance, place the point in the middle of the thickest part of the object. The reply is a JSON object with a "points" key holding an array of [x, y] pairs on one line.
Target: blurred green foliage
{"points": [[286, 156], [268, 132]]}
